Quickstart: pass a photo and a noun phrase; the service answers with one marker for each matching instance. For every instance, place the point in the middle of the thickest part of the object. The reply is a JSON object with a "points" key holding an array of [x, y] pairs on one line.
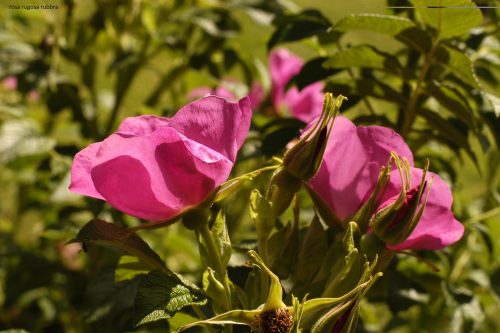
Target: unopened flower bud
{"points": [[363, 215], [396, 218], [304, 158]]}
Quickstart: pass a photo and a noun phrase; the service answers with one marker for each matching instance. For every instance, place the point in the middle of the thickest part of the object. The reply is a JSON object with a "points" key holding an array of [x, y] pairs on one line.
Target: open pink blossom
{"points": [[10, 82], [305, 104], [349, 173], [155, 167]]}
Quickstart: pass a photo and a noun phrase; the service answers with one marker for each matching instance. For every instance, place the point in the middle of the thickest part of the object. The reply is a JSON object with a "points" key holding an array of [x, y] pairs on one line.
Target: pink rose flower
{"points": [[155, 168], [349, 173], [10, 82], [306, 104]]}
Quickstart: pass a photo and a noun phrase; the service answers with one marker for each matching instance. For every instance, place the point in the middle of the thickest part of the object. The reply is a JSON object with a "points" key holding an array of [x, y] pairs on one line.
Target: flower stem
{"points": [[215, 261]]}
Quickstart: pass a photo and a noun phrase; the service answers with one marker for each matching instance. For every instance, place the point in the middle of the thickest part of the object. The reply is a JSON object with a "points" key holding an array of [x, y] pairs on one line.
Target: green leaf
{"points": [[261, 213], [129, 267], [311, 255], [385, 24], [180, 319], [21, 138], [416, 38], [101, 232], [298, 26], [364, 56], [450, 18], [312, 71], [160, 296], [107, 300], [232, 185], [450, 99], [221, 237], [367, 87], [214, 289], [495, 102], [235, 317], [283, 249], [449, 132], [349, 266], [148, 18], [458, 63]]}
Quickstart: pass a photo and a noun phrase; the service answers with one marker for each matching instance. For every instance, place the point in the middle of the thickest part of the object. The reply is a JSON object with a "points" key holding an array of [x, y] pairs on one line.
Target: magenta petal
{"points": [[283, 65], [126, 185], [256, 95], [306, 104], [352, 162], [190, 170], [165, 168], [438, 227], [380, 141], [340, 182], [435, 230], [215, 123], [142, 125], [81, 180]]}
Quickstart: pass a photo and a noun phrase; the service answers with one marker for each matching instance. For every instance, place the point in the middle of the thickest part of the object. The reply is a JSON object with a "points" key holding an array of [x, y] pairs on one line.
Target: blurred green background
{"points": [[83, 67]]}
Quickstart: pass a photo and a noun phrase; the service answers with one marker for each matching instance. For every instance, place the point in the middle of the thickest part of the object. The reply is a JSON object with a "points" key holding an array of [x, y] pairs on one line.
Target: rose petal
{"points": [[339, 182], [126, 184], [352, 162], [380, 141], [193, 177], [169, 170], [306, 104], [256, 95], [81, 181], [142, 125], [283, 65], [436, 229], [216, 123]]}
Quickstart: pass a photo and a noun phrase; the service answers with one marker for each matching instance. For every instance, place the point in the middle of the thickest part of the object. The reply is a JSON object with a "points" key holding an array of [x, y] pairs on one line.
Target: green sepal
{"points": [[275, 295], [363, 215], [387, 223], [304, 158], [214, 289], [261, 214], [232, 185], [282, 189], [234, 317]]}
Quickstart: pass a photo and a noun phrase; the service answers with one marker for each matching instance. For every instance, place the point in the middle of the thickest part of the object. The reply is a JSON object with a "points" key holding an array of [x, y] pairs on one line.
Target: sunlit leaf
{"points": [[386, 24], [450, 18], [160, 296], [364, 56], [129, 267], [457, 63]]}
